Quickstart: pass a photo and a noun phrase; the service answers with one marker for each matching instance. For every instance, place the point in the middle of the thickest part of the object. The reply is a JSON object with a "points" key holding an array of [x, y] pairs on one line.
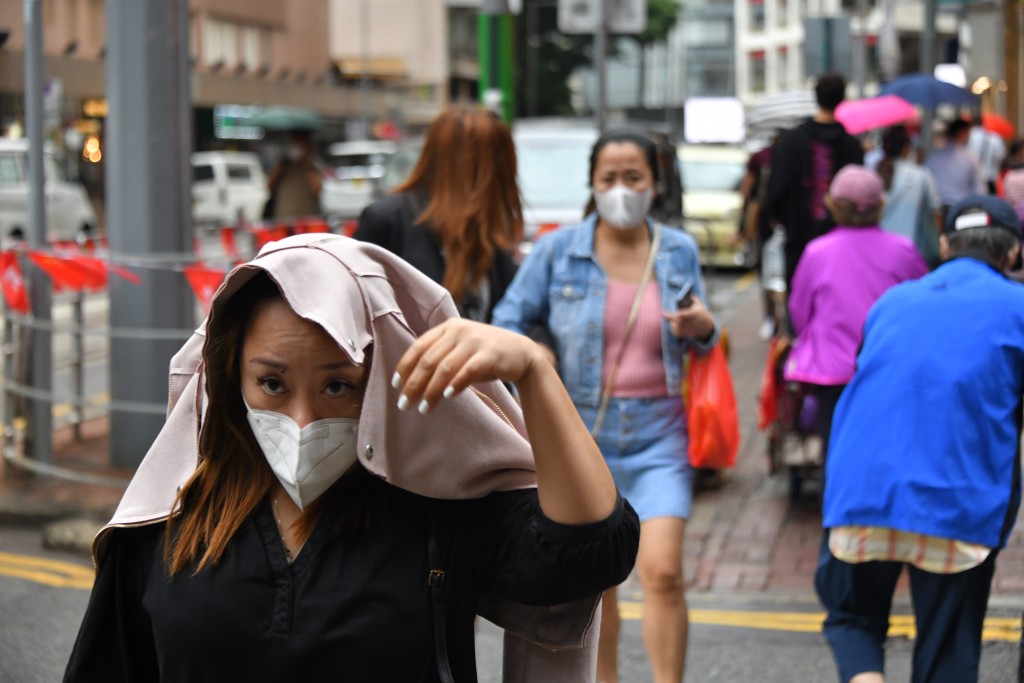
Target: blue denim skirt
{"points": [[643, 440]]}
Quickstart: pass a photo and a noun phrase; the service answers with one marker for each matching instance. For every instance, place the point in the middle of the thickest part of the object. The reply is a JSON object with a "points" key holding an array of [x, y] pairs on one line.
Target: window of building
{"points": [[462, 33], [72, 21], [220, 43], [251, 40], [782, 13], [710, 72], [757, 71], [96, 22], [783, 68], [757, 15], [268, 44]]}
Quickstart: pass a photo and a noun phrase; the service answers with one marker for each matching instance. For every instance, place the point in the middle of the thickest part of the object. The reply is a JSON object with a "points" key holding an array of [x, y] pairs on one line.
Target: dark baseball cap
{"points": [[981, 211]]}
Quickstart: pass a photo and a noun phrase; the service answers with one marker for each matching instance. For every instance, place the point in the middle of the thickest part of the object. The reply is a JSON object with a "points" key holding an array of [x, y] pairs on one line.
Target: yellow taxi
{"points": [[711, 200]]}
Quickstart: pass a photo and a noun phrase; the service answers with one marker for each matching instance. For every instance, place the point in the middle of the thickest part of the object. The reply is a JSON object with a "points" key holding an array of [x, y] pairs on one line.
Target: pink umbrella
{"points": [[859, 116]]}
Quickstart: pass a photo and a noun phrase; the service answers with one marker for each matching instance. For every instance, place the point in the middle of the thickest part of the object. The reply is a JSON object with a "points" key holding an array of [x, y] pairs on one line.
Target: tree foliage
{"points": [[546, 58]]}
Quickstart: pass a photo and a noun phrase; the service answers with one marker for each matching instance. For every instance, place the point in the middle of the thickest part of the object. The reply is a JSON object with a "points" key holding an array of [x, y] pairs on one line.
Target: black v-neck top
{"points": [[353, 606]]}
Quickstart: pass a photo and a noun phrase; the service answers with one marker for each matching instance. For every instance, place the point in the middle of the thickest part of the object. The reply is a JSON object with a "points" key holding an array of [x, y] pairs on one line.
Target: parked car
{"points": [[227, 188], [355, 168], [69, 215], [711, 200]]}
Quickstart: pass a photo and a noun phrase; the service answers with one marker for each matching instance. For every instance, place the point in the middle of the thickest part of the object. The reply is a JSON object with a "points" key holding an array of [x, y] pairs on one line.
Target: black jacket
{"points": [[804, 162], [391, 223]]}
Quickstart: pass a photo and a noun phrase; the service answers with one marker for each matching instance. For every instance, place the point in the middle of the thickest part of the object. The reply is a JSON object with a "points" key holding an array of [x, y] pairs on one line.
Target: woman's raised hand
{"points": [[458, 353]]}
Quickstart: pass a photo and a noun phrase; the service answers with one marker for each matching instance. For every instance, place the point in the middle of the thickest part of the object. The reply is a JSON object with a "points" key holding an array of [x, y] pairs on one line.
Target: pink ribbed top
{"points": [[642, 370]]}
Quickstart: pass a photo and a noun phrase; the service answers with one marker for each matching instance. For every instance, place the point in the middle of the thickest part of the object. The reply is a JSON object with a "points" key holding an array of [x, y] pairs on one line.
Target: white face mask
{"points": [[621, 207], [295, 152], [307, 460]]}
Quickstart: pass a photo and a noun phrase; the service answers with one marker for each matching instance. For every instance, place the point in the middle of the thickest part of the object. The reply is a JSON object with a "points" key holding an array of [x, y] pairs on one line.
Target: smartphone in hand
{"points": [[685, 298]]}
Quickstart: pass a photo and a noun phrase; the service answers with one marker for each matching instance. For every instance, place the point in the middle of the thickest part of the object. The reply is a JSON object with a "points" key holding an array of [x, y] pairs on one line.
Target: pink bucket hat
{"points": [[861, 186]]}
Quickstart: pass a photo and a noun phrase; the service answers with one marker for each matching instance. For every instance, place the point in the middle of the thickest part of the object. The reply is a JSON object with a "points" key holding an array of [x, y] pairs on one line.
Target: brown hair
{"points": [[232, 476], [467, 171], [894, 143], [845, 212]]}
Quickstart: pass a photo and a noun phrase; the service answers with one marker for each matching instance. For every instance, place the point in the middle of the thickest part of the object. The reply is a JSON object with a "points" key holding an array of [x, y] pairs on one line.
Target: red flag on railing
{"points": [[124, 273], [69, 272], [263, 237], [13, 283], [204, 281], [306, 225], [227, 240]]}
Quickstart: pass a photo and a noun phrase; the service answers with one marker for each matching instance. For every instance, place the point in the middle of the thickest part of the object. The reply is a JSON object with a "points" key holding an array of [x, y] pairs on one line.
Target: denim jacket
{"points": [[562, 285]]}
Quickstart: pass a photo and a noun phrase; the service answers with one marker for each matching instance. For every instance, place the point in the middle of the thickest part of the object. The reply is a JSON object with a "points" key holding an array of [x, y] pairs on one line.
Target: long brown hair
{"points": [[467, 171], [232, 476]]}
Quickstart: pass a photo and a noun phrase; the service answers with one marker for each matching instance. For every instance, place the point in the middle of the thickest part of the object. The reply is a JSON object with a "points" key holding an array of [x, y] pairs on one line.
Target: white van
{"points": [[69, 215], [356, 168], [227, 187]]}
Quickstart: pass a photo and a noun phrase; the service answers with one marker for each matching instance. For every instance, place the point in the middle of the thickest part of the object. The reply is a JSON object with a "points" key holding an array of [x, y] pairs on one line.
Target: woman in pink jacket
{"points": [[838, 279]]}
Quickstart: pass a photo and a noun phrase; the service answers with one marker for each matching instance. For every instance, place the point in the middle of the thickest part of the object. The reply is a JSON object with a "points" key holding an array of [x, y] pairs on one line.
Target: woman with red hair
{"points": [[459, 215]]}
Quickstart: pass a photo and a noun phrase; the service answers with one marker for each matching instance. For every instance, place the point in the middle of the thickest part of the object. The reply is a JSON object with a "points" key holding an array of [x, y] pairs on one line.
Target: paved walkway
{"points": [[744, 537]]}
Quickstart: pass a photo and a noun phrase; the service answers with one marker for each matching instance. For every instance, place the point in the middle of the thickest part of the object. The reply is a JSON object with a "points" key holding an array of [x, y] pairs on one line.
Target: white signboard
{"points": [[714, 119], [580, 16]]}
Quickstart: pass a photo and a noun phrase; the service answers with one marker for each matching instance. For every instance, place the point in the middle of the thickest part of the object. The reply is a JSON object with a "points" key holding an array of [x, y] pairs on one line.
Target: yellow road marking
{"points": [[58, 574], [45, 571], [744, 281], [995, 628]]}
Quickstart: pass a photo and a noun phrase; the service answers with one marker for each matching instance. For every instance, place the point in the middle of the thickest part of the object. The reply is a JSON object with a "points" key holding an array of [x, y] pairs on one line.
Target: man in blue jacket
{"points": [[924, 462]]}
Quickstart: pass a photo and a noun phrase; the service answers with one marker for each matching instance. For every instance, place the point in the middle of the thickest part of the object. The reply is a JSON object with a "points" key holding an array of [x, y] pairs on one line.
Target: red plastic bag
{"points": [[712, 417], [768, 399]]}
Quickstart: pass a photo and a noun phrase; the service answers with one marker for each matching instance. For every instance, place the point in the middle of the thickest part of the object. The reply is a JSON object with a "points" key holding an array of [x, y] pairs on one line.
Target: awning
{"points": [[375, 67]]}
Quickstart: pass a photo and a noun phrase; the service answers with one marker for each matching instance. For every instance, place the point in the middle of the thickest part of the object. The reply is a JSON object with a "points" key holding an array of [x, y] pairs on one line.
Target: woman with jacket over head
{"points": [[584, 283], [459, 215], [344, 482]]}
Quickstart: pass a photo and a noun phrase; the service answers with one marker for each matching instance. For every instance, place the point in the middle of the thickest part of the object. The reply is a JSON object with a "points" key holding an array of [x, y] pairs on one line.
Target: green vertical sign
{"points": [[495, 36]]}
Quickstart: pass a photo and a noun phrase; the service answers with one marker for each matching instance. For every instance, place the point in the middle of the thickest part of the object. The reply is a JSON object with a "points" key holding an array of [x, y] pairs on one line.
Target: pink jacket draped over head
{"points": [[365, 297]]}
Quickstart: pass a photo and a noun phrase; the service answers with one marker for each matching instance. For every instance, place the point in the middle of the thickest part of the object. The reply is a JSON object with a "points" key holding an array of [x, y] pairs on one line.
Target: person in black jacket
{"points": [[459, 215], [805, 160]]}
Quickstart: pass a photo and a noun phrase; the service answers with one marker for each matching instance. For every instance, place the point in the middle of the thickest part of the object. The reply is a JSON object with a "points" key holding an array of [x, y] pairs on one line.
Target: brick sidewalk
{"points": [[743, 537]]}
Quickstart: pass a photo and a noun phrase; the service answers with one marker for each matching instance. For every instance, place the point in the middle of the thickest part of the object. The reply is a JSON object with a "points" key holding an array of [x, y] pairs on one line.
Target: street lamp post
{"points": [[364, 72], [39, 439]]}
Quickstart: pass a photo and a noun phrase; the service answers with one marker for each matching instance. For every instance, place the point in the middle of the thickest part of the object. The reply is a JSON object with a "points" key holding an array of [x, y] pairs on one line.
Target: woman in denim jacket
{"points": [[581, 283]]}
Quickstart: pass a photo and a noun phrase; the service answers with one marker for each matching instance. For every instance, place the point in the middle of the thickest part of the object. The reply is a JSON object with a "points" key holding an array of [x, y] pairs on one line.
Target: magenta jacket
{"points": [[838, 279]]}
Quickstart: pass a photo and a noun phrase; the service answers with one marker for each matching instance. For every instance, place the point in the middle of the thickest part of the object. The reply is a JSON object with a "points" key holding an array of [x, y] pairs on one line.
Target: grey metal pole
{"points": [[364, 72], [927, 59], [601, 62], [39, 443], [78, 361], [862, 47], [148, 148]]}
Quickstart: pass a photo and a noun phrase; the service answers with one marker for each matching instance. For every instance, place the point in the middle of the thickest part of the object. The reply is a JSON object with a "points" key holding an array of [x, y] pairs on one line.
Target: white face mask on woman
{"points": [[621, 207], [306, 460]]}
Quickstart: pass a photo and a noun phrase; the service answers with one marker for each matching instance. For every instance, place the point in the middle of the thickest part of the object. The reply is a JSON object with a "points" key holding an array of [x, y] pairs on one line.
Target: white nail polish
{"points": [[449, 392], [403, 402], [396, 379], [424, 407]]}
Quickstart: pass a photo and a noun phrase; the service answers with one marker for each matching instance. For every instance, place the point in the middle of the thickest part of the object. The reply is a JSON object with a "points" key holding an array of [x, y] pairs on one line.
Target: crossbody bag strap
{"points": [[435, 579], [634, 313]]}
